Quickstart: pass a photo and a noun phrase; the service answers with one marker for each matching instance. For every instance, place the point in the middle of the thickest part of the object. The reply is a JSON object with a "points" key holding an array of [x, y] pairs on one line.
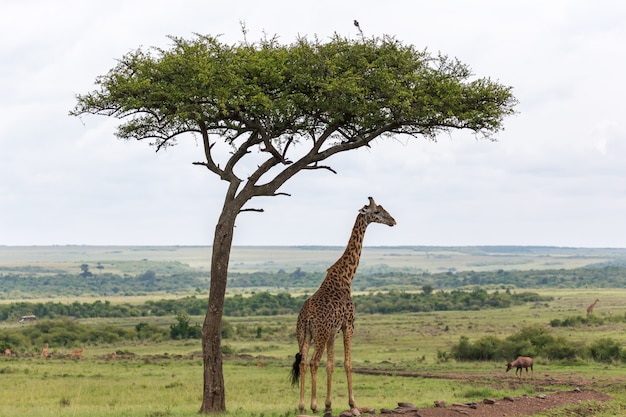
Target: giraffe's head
{"points": [[374, 213]]}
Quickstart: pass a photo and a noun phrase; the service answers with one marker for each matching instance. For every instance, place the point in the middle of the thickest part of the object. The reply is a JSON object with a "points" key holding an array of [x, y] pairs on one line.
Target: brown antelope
{"points": [[113, 356], [77, 353], [8, 352], [520, 363], [44, 351]]}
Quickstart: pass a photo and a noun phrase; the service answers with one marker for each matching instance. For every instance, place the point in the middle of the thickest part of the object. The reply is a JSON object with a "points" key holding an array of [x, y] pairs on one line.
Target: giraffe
{"points": [[590, 308], [331, 309]]}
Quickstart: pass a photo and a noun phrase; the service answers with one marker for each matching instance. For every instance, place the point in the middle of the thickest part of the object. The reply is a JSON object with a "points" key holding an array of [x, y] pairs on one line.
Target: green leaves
{"points": [[264, 97], [294, 89]]}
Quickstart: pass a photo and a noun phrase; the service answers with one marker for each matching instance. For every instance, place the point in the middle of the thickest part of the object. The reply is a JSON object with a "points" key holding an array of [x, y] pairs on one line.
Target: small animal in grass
{"points": [[77, 353], [522, 362]]}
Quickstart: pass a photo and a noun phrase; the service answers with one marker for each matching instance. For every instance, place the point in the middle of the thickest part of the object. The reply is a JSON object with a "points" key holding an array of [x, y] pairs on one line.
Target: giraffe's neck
{"points": [[343, 270]]}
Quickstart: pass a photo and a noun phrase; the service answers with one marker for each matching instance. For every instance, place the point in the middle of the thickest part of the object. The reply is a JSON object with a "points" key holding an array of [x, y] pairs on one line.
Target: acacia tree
{"points": [[279, 110]]}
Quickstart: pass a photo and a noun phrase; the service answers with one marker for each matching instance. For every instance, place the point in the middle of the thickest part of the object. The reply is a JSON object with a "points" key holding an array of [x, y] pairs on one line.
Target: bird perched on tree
{"points": [[356, 23]]}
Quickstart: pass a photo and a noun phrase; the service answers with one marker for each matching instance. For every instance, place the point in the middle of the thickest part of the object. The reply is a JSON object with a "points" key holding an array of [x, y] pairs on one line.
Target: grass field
{"points": [[165, 379]]}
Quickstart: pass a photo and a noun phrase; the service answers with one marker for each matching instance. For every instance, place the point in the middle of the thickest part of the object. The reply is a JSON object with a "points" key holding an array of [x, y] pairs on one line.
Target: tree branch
{"points": [[315, 166], [210, 163], [267, 141]]}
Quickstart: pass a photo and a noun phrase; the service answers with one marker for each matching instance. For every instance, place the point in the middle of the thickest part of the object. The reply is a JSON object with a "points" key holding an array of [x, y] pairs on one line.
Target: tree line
{"points": [[599, 276], [266, 304], [16, 285]]}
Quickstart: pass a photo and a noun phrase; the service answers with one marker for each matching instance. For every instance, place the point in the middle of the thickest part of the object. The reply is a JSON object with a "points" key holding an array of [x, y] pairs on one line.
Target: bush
{"points": [[606, 350], [442, 356], [535, 341], [462, 351], [537, 336], [146, 331], [69, 333], [486, 348], [228, 330], [513, 348], [183, 330], [561, 349], [575, 321]]}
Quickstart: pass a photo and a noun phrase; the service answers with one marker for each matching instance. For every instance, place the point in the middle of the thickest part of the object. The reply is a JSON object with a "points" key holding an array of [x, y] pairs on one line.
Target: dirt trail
{"points": [[552, 393]]}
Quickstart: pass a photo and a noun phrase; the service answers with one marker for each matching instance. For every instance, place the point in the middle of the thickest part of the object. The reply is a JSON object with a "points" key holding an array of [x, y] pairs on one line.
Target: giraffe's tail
{"points": [[295, 369]]}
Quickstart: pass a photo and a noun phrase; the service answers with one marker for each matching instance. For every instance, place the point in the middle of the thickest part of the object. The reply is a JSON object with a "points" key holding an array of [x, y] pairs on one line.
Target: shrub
{"points": [[486, 348], [462, 351], [537, 336], [227, 330], [575, 321], [535, 341], [561, 349], [183, 330], [605, 350], [442, 356], [146, 331]]}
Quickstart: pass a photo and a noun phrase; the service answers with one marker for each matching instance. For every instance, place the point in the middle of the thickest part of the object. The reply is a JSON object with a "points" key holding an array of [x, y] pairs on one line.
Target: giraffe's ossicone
{"points": [[331, 309]]}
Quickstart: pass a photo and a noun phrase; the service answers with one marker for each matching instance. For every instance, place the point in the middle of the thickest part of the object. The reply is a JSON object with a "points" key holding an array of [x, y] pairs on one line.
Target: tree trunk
{"points": [[213, 397]]}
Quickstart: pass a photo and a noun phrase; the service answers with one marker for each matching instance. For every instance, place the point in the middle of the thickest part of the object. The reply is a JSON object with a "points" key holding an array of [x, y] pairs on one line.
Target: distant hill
{"points": [[103, 271], [310, 258]]}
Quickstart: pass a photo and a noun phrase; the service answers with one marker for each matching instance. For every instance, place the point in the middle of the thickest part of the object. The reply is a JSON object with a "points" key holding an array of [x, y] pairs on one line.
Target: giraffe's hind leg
{"points": [[318, 351], [303, 362]]}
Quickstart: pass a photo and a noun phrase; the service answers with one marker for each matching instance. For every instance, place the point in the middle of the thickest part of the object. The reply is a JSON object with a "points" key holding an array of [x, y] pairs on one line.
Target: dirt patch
{"points": [[551, 393], [511, 406]]}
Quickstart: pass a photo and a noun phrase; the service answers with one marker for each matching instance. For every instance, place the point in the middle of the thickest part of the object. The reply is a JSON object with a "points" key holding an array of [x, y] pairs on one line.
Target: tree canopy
{"points": [[334, 96]]}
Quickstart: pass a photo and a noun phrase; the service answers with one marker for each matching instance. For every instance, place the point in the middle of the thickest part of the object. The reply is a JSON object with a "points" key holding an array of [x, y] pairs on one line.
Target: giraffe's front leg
{"points": [[330, 367], [347, 364]]}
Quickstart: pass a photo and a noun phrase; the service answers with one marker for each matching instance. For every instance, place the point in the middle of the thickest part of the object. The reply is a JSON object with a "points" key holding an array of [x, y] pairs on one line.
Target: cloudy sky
{"points": [[556, 176]]}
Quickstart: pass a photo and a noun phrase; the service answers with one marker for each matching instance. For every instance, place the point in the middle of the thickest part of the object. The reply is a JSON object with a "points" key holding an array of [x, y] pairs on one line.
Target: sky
{"points": [[556, 175]]}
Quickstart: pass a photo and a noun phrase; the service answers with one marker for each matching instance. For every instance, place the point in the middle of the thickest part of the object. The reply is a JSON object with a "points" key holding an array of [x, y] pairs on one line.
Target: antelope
{"points": [[44, 351], [77, 353], [8, 352], [520, 363]]}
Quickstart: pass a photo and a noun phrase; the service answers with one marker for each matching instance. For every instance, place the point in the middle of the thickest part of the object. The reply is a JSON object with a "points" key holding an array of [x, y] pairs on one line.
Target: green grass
{"points": [[165, 379], [161, 387]]}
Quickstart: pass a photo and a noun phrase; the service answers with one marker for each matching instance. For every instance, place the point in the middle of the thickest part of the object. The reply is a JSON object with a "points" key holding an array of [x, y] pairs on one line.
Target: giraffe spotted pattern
{"points": [[331, 309]]}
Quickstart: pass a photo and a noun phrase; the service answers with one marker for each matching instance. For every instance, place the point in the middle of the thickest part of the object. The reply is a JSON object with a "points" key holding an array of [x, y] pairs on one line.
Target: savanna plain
{"points": [[408, 356]]}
